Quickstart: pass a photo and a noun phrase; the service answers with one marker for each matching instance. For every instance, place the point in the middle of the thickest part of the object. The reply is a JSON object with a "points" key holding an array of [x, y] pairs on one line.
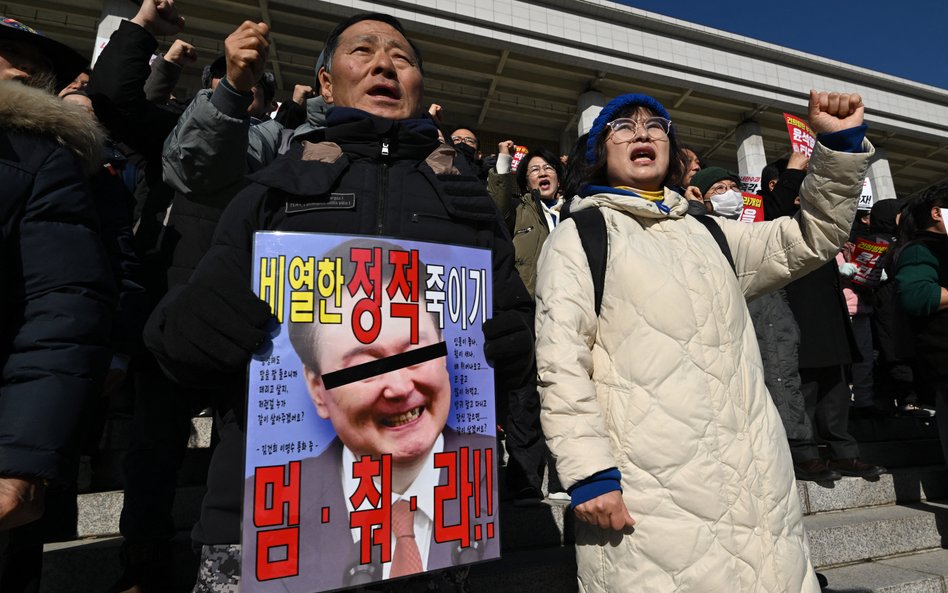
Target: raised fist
{"points": [[832, 112], [181, 53], [159, 17], [247, 49], [506, 147], [434, 110], [799, 161], [301, 92]]}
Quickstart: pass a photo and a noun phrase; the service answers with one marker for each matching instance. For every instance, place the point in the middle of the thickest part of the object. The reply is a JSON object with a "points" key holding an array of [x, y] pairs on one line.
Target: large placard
{"points": [[370, 422]]}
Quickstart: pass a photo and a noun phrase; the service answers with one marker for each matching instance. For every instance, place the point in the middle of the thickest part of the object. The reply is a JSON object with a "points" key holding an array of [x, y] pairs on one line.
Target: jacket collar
{"points": [[672, 206], [361, 134], [349, 135]]}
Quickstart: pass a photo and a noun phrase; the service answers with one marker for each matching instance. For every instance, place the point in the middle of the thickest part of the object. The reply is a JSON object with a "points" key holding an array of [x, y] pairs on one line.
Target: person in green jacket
{"points": [[921, 278], [529, 201]]}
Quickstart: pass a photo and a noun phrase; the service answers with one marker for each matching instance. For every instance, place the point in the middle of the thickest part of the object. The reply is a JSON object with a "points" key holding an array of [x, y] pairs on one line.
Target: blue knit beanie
{"points": [[612, 108]]}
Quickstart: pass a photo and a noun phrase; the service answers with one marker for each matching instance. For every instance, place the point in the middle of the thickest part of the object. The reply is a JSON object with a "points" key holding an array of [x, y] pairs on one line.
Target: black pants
{"points": [[827, 398], [526, 447], [161, 425]]}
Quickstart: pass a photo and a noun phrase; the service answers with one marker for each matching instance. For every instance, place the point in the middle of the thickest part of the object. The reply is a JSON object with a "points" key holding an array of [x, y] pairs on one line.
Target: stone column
{"points": [[751, 158], [883, 186], [590, 104]]}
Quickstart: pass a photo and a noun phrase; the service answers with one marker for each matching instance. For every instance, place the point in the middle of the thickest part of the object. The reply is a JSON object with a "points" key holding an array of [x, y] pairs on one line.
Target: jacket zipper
{"points": [[380, 213], [522, 231]]}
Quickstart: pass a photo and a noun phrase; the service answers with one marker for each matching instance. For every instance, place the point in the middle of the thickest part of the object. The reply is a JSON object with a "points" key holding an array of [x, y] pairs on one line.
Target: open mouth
{"points": [[643, 154], [404, 418], [385, 91], [545, 184]]}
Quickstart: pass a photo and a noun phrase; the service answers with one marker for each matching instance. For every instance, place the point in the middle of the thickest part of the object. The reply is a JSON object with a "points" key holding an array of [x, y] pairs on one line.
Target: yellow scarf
{"points": [[651, 196]]}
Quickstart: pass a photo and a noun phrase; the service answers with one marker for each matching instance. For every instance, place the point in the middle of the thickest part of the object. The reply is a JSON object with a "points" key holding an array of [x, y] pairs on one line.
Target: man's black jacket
{"points": [[361, 175]]}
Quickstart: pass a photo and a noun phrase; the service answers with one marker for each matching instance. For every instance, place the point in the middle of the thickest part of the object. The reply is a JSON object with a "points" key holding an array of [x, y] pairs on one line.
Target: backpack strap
{"points": [[718, 235], [591, 226]]}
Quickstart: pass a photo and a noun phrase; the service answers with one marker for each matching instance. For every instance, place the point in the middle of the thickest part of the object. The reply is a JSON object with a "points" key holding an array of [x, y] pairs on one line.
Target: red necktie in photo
{"points": [[406, 559]]}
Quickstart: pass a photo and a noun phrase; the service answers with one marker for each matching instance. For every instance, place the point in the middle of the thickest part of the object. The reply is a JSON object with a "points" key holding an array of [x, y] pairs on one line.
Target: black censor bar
{"points": [[381, 366]]}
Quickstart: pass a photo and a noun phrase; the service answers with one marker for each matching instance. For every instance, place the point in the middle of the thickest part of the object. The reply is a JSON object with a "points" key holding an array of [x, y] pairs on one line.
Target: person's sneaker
{"points": [[815, 470], [914, 411], [857, 468]]}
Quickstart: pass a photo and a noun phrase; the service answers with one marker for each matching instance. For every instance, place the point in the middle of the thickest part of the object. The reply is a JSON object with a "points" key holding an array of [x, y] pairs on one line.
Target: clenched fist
{"points": [[606, 511], [159, 17], [247, 49], [832, 112], [181, 53]]}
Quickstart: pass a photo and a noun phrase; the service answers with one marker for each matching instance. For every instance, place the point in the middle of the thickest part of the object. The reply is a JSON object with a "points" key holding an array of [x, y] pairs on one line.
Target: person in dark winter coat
{"points": [[826, 345], [56, 292], [921, 279], [891, 329], [778, 334], [377, 168]]}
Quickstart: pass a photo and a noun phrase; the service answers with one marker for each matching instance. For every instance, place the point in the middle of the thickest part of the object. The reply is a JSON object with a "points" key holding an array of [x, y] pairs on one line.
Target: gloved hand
{"points": [[847, 270], [208, 325], [508, 346]]}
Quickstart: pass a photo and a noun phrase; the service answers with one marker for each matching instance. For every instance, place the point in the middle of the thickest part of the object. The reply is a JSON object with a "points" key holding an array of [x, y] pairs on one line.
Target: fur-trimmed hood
{"points": [[30, 110]]}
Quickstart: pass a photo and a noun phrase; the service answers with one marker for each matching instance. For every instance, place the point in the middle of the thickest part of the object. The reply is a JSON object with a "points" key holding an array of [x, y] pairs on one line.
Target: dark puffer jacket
{"points": [[360, 175], [779, 339], [56, 287]]}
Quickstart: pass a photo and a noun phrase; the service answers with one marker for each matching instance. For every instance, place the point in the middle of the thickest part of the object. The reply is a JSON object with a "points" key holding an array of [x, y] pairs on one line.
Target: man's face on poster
{"points": [[400, 412]]}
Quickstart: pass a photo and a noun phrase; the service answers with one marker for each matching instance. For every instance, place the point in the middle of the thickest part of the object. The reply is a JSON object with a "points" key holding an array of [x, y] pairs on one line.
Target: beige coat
{"points": [[667, 386]]}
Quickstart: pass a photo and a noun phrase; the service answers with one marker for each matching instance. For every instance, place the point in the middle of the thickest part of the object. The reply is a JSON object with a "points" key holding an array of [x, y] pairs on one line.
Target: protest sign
{"points": [[753, 208], [865, 198], [370, 422], [519, 153], [802, 137], [867, 255], [750, 183]]}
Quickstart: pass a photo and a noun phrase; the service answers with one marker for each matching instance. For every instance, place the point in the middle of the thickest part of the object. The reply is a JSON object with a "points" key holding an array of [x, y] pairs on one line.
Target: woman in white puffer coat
{"points": [[656, 408]]}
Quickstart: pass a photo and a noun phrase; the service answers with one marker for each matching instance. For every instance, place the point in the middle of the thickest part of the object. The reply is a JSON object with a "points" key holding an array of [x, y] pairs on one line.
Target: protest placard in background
{"points": [[802, 138]]}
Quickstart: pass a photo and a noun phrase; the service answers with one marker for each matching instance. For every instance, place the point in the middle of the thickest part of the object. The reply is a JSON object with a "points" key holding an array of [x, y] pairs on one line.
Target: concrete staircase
{"points": [[882, 536]]}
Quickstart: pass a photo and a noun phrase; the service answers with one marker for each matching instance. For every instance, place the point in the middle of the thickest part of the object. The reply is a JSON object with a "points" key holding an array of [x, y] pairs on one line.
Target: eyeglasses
{"points": [[721, 188], [535, 170], [624, 129], [469, 140]]}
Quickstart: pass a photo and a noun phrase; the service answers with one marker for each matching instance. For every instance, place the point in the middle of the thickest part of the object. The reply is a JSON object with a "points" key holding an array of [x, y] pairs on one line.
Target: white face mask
{"points": [[729, 204]]}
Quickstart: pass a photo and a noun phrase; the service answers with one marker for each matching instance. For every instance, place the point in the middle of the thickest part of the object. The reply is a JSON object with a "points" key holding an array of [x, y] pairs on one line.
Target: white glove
{"points": [[847, 270]]}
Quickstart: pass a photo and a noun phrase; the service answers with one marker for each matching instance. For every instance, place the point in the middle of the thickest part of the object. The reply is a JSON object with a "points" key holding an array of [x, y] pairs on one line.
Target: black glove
{"points": [[508, 346], [207, 326]]}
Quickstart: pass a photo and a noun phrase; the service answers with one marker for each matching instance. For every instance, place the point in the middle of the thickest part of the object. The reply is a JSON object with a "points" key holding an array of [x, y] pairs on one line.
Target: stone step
{"points": [[92, 565], [902, 485], [99, 512], [858, 535], [925, 572]]}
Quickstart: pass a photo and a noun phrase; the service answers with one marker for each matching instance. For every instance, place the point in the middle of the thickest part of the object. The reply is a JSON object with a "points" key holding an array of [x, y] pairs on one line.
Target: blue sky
{"points": [[905, 39]]}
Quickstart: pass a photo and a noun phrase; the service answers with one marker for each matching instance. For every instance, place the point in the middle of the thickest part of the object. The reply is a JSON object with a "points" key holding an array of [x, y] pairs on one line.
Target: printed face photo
{"points": [[400, 412]]}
